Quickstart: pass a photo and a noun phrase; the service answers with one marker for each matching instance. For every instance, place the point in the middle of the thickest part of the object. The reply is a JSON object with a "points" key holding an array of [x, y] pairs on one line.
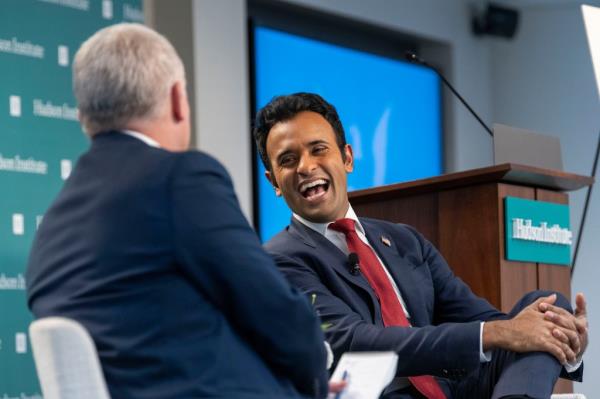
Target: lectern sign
{"points": [[537, 231]]}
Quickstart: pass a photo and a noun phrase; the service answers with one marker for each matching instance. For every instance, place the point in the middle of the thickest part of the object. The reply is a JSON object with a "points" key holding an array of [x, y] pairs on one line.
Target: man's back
{"points": [[138, 248]]}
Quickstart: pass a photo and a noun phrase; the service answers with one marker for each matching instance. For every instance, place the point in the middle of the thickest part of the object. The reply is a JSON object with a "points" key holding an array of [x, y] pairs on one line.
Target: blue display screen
{"points": [[391, 111]]}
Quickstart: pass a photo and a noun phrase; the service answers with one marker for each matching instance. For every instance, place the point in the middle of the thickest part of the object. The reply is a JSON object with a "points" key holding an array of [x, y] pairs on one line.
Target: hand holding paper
{"points": [[366, 373]]}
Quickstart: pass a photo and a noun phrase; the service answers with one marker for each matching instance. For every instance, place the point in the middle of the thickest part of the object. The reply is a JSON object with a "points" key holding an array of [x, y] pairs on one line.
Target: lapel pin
{"points": [[386, 241]]}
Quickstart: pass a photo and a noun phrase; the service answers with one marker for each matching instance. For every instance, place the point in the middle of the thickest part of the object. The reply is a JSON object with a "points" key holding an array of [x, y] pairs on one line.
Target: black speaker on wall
{"points": [[496, 21]]}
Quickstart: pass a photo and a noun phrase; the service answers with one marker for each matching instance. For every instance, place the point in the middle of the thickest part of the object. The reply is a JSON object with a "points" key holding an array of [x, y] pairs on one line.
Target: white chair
{"points": [[66, 360], [568, 396]]}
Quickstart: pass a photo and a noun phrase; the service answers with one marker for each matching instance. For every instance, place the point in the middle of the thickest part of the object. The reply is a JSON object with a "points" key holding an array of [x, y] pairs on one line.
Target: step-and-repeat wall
{"points": [[40, 140]]}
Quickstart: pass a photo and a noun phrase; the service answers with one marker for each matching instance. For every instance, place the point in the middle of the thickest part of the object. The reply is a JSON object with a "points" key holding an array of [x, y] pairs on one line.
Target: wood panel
{"points": [[419, 211], [555, 277], [516, 278], [509, 173], [462, 214], [466, 223], [468, 237]]}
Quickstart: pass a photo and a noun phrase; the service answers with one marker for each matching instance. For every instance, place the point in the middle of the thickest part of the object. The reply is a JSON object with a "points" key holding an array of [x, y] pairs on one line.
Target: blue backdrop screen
{"points": [[390, 110]]}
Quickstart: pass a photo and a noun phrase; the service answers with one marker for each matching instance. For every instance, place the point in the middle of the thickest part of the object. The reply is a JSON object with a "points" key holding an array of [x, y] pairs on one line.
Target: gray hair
{"points": [[123, 72]]}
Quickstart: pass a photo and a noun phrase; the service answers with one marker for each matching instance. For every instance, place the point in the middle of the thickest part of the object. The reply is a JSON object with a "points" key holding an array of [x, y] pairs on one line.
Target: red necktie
{"points": [[391, 309]]}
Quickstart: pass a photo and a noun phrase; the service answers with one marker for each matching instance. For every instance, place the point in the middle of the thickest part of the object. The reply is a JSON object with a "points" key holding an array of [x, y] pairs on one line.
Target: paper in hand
{"points": [[367, 373]]}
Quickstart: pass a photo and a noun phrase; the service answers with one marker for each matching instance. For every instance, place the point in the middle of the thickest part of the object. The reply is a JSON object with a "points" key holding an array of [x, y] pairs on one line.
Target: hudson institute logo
{"points": [[18, 224], [523, 229], [132, 13], [15, 106], [24, 48], [63, 56], [66, 166], [47, 109], [20, 165], [21, 343], [8, 283], [107, 9], [83, 5], [38, 221]]}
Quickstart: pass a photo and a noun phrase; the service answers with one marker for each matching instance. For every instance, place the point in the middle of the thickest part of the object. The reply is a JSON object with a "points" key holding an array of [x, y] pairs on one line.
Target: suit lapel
{"points": [[399, 267], [331, 254]]}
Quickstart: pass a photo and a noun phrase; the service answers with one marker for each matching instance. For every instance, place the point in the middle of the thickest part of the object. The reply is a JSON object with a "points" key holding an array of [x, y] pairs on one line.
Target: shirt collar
{"points": [[321, 228], [140, 136]]}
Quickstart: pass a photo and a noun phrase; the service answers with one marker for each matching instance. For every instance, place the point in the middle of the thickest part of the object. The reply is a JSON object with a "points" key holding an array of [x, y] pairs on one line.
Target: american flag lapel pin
{"points": [[386, 241]]}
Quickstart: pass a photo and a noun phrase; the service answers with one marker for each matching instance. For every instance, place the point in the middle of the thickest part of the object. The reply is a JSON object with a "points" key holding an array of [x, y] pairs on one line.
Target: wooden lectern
{"points": [[462, 214]]}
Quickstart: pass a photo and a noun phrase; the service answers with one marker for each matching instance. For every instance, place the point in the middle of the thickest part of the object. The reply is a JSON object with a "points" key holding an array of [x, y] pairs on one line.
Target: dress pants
{"points": [[508, 373]]}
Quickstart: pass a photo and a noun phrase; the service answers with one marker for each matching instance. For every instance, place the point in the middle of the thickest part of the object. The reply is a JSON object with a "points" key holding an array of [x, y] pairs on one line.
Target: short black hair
{"points": [[284, 108]]}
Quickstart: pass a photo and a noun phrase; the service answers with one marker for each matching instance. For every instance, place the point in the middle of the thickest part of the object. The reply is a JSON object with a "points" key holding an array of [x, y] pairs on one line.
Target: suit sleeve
{"points": [[454, 300], [429, 350], [221, 254], [576, 375], [450, 341]]}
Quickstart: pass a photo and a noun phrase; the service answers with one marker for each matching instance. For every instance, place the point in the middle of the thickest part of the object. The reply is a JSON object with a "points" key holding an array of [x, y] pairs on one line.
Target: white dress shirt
{"points": [[140, 136], [338, 239]]}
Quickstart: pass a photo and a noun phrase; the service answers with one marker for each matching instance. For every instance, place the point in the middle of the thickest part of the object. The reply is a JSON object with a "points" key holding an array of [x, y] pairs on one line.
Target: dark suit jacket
{"points": [[445, 314], [149, 250]]}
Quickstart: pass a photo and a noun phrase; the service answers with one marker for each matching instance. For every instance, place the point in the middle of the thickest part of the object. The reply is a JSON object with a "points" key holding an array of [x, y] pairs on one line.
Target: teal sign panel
{"points": [[40, 141], [537, 231]]}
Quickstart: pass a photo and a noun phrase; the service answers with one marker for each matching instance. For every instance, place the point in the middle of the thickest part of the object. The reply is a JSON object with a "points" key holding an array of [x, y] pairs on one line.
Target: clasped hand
{"points": [[543, 326], [569, 329]]}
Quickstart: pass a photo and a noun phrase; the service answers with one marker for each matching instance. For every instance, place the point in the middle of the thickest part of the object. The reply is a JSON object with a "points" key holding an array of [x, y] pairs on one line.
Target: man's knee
{"points": [[530, 297]]}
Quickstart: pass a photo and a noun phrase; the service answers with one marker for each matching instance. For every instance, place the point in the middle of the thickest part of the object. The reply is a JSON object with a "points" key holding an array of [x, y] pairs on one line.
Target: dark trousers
{"points": [[508, 373]]}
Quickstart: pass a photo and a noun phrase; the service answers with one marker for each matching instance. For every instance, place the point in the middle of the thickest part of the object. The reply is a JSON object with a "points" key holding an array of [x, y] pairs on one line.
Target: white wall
{"points": [[211, 38], [222, 89], [543, 80]]}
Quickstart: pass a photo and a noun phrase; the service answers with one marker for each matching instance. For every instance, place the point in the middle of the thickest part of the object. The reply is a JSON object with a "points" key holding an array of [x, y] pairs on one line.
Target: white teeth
{"points": [[311, 184]]}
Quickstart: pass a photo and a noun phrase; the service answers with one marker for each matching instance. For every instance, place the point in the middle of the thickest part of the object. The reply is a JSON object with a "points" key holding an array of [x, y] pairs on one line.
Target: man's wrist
{"points": [[491, 336]]}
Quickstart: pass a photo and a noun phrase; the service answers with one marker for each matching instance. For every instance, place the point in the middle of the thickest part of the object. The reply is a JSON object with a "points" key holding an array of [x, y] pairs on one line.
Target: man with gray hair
{"points": [[146, 246]]}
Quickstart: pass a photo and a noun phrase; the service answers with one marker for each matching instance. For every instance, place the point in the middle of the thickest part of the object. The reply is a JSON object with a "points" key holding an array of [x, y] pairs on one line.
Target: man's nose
{"points": [[306, 165]]}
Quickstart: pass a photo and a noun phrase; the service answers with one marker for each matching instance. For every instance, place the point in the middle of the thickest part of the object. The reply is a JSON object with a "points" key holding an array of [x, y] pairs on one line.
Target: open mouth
{"points": [[314, 189]]}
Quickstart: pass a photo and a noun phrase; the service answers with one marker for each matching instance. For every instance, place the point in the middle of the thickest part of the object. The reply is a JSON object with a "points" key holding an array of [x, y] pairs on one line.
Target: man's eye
{"points": [[286, 161], [319, 150]]}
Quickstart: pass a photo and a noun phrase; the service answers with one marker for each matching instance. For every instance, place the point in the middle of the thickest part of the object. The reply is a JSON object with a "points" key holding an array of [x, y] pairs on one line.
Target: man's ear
{"points": [[273, 182], [349, 161], [179, 108]]}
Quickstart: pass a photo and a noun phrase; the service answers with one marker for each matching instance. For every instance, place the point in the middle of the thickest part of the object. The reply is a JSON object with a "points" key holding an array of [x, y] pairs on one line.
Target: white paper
{"points": [[591, 19], [367, 373]]}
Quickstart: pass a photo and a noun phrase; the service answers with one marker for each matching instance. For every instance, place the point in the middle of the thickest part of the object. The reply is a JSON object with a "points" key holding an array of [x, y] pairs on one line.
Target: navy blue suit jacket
{"points": [[445, 314], [149, 250]]}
